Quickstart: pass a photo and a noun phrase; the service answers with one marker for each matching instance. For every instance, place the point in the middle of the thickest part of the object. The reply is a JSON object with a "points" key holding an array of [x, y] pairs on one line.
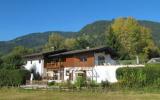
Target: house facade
{"points": [[62, 65]]}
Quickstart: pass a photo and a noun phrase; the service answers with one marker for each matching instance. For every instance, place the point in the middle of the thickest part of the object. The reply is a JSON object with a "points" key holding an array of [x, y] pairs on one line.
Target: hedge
{"points": [[131, 77], [153, 74], [13, 77], [148, 76]]}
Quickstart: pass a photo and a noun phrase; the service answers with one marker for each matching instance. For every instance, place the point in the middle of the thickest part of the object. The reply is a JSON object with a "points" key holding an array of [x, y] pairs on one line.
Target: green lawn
{"points": [[20, 94]]}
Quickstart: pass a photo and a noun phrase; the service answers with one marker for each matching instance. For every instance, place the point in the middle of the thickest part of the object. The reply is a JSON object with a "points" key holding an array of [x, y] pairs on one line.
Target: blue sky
{"points": [[20, 17]]}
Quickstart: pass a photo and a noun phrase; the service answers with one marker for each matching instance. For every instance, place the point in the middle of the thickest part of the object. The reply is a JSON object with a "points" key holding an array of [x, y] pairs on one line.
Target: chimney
{"points": [[87, 48]]}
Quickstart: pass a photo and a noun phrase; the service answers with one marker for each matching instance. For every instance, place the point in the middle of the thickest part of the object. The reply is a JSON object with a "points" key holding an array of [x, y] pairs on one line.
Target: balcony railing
{"points": [[54, 65]]}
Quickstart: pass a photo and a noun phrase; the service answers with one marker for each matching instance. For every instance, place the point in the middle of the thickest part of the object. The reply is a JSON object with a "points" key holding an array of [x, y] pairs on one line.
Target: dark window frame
{"points": [[67, 72], [39, 60], [101, 60], [83, 58]]}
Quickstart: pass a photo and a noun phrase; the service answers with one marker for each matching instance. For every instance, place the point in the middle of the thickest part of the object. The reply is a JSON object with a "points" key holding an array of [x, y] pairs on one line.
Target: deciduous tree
{"points": [[55, 42], [130, 38]]}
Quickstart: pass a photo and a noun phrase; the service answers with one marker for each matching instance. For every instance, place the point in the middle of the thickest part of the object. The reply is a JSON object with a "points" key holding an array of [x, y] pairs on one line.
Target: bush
{"points": [[105, 84], [148, 76], [13, 77], [80, 82], [152, 73], [131, 77], [126, 62], [91, 83], [51, 83]]}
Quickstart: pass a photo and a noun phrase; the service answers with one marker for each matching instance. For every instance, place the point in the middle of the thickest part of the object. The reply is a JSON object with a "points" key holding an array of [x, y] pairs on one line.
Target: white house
{"points": [[62, 65]]}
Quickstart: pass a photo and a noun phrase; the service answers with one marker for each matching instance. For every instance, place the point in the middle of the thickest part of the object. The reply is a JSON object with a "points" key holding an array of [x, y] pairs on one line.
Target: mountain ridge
{"points": [[38, 39]]}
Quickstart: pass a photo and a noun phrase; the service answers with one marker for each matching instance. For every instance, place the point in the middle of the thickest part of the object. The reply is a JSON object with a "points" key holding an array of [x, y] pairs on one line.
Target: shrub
{"points": [[13, 77], [91, 83], [105, 84], [80, 82], [148, 76], [152, 73], [131, 77], [51, 83]]}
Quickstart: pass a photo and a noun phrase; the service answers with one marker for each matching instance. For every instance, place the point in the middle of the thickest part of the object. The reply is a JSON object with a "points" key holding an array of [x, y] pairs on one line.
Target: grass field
{"points": [[20, 94]]}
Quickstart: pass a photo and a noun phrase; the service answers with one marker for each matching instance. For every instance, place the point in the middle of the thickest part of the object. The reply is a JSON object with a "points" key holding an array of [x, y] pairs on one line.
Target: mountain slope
{"points": [[37, 40], [33, 40], [155, 29], [97, 27]]}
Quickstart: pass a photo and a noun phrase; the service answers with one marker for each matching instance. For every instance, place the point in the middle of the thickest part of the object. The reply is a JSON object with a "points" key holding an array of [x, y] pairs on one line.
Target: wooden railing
{"points": [[68, 64], [54, 65], [78, 64]]}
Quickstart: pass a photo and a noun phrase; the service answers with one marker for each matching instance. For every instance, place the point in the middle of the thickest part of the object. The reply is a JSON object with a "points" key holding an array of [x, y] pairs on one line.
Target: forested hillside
{"points": [[33, 40], [37, 40]]}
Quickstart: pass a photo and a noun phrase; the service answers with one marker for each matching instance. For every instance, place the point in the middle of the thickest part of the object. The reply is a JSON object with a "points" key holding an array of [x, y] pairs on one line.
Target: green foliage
{"points": [[96, 30], [13, 77], [80, 82], [14, 59], [126, 62], [155, 30], [55, 42], [153, 65], [83, 41], [91, 83], [51, 83], [1, 62], [131, 77], [146, 77], [105, 84], [111, 40], [70, 43], [33, 40], [129, 38], [152, 73], [11, 73]]}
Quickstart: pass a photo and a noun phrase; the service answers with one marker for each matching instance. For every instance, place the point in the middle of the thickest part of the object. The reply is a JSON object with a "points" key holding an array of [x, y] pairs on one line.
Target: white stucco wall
{"points": [[39, 66], [105, 73], [71, 70], [97, 73]]}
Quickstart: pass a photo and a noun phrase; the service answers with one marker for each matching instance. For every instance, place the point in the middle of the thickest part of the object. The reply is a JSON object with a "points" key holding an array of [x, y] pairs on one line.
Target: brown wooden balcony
{"points": [[54, 65]]}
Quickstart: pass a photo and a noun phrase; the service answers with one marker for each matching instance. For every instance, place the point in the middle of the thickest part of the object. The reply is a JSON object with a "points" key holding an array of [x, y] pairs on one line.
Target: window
{"points": [[39, 60], [83, 58], [55, 75], [67, 72], [101, 60]]}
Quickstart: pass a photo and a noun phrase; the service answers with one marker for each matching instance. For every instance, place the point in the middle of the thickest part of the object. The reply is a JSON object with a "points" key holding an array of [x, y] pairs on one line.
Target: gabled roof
{"points": [[97, 49], [65, 52], [154, 60], [43, 54]]}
